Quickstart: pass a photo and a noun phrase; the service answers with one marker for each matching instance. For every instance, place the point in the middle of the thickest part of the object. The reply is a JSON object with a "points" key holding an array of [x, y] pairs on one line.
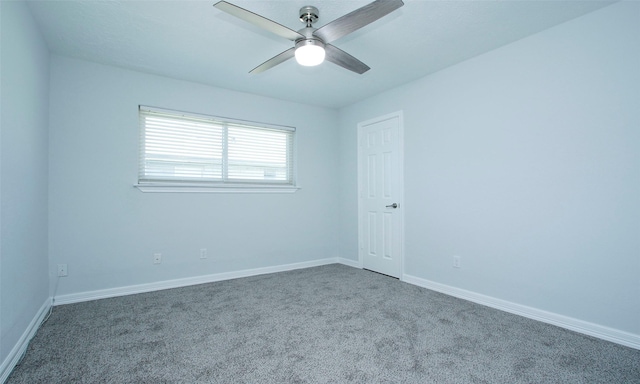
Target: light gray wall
{"points": [[107, 231], [23, 173], [524, 161]]}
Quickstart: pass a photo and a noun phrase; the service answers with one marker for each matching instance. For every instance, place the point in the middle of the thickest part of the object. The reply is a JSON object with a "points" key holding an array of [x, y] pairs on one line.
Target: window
{"points": [[189, 152]]}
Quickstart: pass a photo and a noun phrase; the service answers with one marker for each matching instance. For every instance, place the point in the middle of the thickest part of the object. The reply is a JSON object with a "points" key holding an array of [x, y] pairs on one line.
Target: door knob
{"points": [[394, 205]]}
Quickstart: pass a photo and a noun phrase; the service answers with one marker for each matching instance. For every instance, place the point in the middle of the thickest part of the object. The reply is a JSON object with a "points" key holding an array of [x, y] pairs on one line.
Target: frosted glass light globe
{"points": [[309, 55]]}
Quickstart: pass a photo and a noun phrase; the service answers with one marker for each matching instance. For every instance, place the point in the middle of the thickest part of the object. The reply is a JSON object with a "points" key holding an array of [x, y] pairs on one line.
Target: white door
{"points": [[380, 187]]}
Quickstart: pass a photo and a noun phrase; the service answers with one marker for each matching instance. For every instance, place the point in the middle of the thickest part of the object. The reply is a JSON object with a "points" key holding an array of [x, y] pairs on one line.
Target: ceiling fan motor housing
{"points": [[309, 41]]}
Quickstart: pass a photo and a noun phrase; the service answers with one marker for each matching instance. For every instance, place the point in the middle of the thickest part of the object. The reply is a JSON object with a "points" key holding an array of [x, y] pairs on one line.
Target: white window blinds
{"points": [[186, 148]]}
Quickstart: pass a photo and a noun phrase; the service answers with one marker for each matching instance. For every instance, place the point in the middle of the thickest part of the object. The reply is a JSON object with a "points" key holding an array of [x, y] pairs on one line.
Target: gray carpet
{"points": [[329, 324]]}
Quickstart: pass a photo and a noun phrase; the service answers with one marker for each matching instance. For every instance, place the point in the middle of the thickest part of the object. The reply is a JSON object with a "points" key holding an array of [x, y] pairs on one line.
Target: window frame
{"points": [[214, 186]]}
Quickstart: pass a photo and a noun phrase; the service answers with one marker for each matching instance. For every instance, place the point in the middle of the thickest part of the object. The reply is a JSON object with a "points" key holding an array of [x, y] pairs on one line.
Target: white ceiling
{"points": [[192, 40]]}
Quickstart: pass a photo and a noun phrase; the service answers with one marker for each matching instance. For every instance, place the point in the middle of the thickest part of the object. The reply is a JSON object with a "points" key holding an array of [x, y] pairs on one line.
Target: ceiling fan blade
{"points": [[357, 19], [345, 60], [272, 62], [258, 20]]}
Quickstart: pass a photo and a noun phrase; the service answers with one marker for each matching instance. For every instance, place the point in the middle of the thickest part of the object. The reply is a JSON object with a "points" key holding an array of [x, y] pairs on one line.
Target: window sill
{"points": [[196, 188]]}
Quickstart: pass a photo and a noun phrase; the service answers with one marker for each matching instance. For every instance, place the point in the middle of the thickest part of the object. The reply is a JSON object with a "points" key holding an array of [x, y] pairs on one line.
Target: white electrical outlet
{"points": [[456, 261], [203, 253], [62, 270], [157, 258]]}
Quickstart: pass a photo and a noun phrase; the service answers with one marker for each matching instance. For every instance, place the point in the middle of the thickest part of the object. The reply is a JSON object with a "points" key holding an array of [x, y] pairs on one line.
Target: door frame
{"points": [[360, 176]]}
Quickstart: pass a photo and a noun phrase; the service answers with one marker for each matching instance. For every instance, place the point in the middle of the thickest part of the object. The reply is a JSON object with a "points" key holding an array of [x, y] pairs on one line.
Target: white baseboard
{"points": [[14, 356], [349, 262], [177, 283], [580, 326]]}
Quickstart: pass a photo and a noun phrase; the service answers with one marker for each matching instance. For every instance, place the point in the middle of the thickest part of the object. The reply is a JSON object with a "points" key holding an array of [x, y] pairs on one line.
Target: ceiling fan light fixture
{"points": [[311, 42], [309, 52]]}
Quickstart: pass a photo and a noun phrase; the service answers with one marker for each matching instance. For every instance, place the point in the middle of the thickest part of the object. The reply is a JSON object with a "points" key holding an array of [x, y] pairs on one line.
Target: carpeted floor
{"points": [[328, 324]]}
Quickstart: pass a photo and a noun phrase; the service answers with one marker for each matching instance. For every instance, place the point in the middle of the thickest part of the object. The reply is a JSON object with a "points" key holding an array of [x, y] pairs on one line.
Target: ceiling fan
{"points": [[312, 45]]}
